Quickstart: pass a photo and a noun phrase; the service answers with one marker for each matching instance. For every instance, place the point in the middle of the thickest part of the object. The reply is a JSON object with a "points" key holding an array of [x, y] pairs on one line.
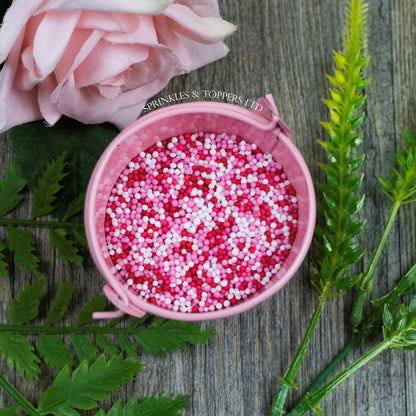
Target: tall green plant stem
{"points": [[311, 400], [277, 408], [366, 284], [19, 400], [39, 223]]}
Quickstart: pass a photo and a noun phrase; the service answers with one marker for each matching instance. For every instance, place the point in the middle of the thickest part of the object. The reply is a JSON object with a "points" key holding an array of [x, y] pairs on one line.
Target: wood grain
{"points": [[284, 47]]}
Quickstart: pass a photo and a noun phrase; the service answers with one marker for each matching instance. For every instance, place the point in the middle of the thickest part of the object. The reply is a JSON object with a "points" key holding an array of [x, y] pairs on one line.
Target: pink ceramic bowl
{"points": [[262, 127]]}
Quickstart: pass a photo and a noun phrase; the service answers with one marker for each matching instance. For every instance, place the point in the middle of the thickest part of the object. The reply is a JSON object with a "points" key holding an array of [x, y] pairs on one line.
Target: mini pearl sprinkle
{"points": [[199, 222]]}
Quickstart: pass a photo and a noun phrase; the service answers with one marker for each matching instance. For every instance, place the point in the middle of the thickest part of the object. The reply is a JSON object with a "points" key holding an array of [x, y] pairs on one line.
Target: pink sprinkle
{"points": [[200, 222]]}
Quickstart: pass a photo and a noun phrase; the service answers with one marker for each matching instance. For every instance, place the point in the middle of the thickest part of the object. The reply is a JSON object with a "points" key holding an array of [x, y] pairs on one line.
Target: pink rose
{"points": [[100, 62]]}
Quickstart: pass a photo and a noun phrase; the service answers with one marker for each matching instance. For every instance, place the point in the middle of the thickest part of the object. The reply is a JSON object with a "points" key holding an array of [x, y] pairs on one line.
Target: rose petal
{"points": [[110, 92], [14, 21], [107, 60], [49, 110], [16, 106], [86, 104], [100, 20], [191, 54], [80, 46], [125, 116], [58, 26], [145, 33], [201, 29], [153, 7], [129, 22], [26, 75]]}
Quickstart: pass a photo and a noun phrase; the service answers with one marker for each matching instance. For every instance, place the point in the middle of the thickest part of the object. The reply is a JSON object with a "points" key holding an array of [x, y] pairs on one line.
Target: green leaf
{"points": [[25, 307], [355, 204], [54, 351], [387, 318], [105, 343], [84, 348], [353, 229], [409, 138], [86, 385], [353, 256], [170, 335], [400, 159], [75, 207], [23, 245], [412, 306], [126, 345], [66, 249], [159, 405], [9, 411], [356, 183], [9, 190], [406, 283], [331, 203], [385, 185], [19, 354], [362, 84], [93, 305], [60, 304], [345, 282], [35, 145], [410, 336], [81, 237], [44, 195], [3, 263], [356, 164]]}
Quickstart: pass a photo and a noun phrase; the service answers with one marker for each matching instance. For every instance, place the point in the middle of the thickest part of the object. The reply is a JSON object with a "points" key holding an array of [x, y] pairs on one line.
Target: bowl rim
{"points": [[129, 302]]}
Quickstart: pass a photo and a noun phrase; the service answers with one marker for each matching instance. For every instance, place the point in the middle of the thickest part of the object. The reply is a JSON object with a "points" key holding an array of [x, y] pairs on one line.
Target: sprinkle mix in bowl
{"points": [[200, 222]]}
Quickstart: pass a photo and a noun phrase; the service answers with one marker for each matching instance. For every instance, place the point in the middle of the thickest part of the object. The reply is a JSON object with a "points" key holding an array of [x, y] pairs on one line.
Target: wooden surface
{"points": [[285, 47]]}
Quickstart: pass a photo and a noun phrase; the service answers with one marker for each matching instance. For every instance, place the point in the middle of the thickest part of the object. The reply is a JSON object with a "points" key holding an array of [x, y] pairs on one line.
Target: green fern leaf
{"points": [[60, 304], [9, 190], [158, 405], [86, 385], [19, 354], [170, 335], [93, 305], [84, 348], [25, 307], [75, 207], [66, 249], [44, 194], [54, 351], [22, 244], [3, 263], [126, 345], [105, 343]]}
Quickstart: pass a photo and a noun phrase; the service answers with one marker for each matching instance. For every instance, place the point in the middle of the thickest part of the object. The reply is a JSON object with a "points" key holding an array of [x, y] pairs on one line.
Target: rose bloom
{"points": [[100, 60]]}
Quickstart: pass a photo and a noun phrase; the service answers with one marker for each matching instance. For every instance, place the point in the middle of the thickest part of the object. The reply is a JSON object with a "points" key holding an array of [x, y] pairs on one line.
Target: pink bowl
{"points": [[262, 127]]}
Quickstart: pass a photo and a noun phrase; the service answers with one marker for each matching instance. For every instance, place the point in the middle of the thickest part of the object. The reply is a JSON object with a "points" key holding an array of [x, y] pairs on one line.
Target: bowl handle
{"points": [[122, 302], [268, 110]]}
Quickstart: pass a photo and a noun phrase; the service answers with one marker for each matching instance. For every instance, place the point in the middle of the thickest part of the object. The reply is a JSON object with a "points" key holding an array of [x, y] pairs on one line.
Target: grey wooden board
{"points": [[283, 47]]}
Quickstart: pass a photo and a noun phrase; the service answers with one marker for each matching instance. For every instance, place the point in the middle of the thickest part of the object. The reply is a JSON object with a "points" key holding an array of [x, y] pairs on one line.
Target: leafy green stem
{"points": [[366, 284], [17, 397], [28, 329], [311, 400], [287, 380], [39, 223]]}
